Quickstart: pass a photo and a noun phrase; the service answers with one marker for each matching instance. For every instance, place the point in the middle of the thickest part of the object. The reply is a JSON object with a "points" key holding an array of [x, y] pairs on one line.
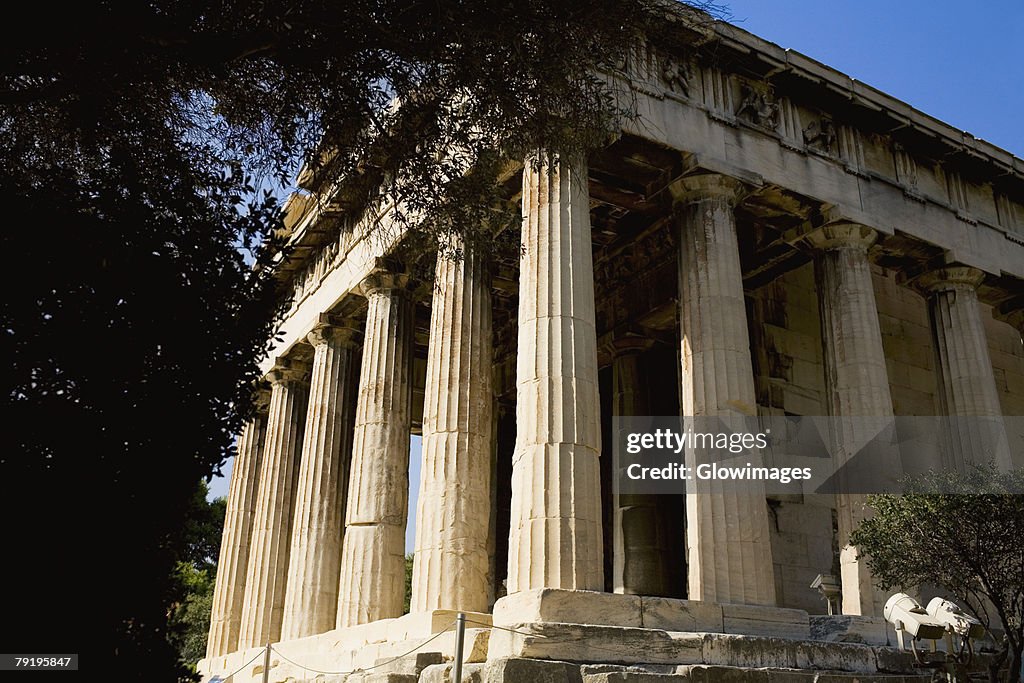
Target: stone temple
{"points": [[768, 237]]}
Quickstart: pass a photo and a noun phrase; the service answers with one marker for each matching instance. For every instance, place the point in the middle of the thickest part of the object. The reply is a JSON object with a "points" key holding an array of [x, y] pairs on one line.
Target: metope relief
{"points": [[820, 136], [758, 107], [677, 75]]}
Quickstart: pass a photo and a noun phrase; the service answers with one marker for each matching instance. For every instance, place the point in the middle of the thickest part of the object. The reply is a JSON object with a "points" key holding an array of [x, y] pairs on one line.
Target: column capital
{"points": [[843, 235], [707, 186], [948, 278], [346, 331], [539, 158], [286, 371], [384, 280], [261, 399]]}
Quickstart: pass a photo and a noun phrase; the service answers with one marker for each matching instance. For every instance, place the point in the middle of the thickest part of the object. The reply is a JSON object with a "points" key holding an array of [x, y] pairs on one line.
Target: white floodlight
{"points": [[907, 616]]}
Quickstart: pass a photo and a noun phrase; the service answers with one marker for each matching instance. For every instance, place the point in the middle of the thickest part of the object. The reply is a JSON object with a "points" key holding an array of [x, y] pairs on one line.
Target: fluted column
{"points": [[451, 565], [555, 539], [640, 557], [263, 605], [314, 566], [966, 382], [229, 590], [856, 383], [728, 545], [372, 584]]}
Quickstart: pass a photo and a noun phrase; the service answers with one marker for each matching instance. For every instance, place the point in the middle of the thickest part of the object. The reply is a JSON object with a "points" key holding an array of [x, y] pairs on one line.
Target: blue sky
{"points": [[961, 63]]}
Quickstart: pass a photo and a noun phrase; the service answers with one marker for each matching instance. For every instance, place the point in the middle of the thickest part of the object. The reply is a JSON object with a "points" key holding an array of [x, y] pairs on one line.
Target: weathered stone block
{"points": [[600, 669], [733, 650], [769, 621], [411, 664], [844, 628], [581, 643], [442, 673], [567, 606], [726, 674], [835, 657], [518, 670], [791, 676], [891, 660], [386, 678], [635, 677], [672, 614]]}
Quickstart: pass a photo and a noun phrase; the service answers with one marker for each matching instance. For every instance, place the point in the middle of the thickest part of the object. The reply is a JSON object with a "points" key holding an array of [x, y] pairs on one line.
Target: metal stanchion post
{"points": [[266, 664], [460, 640]]}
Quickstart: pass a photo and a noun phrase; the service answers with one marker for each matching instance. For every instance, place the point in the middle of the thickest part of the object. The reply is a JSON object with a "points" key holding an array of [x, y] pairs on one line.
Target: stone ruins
{"points": [[768, 237]]}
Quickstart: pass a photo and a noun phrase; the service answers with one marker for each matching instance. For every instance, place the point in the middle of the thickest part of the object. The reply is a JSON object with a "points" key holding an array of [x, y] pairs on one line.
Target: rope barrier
{"points": [[258, 655], [369, 668], [565, 640], [502, 628]]}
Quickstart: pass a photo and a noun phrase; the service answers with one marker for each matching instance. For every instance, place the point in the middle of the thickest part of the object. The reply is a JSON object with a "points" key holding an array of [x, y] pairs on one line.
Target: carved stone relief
{"points": [[677, 75], [820, 136], [758, 108]]}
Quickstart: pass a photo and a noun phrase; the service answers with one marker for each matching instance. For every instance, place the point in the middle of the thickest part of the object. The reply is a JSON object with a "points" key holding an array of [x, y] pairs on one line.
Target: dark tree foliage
{"points": [[189, 620], [131, 136], [195, 576], [202, 530], [963, 532], [408, 584]]}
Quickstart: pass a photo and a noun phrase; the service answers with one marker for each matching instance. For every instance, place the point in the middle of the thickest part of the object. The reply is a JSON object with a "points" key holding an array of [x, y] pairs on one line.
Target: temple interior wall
{"points": [[906, 338], [1007, 352], [789, 379]]}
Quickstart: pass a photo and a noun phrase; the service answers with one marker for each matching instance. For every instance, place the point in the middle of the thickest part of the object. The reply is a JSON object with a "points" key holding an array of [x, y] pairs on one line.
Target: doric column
{"points": [[314, 567], [372, 584], [229, 591], [263, 605], [856, 382], [640, 554], [966, 382], [728, 544], [451, 565], [555, 539]]}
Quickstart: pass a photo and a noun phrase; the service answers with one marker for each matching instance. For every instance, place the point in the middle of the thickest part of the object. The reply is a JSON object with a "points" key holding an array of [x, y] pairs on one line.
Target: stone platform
{"points": [[587, 637]]}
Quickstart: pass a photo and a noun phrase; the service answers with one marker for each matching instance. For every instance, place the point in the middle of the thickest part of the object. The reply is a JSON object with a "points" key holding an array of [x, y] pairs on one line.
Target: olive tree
{"points": [[963, 532]]}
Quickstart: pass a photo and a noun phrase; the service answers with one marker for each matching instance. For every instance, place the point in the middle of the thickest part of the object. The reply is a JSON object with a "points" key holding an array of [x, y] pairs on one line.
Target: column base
{"points": [[550, 605]]}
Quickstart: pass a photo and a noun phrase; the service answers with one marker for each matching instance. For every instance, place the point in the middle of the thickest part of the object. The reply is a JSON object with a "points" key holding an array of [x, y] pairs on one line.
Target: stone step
{"points": [[442, 673], [732, 674], [636, 611], [381, 677], [409, 664], [525, 670], [595, 644]]}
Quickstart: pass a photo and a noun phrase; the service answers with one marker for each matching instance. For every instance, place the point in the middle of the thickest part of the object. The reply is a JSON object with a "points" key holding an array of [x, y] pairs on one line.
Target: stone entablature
{"points": [[970, 203], [910, 172]]}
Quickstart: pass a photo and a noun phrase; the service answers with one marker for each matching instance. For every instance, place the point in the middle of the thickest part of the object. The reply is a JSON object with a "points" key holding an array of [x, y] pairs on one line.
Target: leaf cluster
{"points": [[963, 532]]}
